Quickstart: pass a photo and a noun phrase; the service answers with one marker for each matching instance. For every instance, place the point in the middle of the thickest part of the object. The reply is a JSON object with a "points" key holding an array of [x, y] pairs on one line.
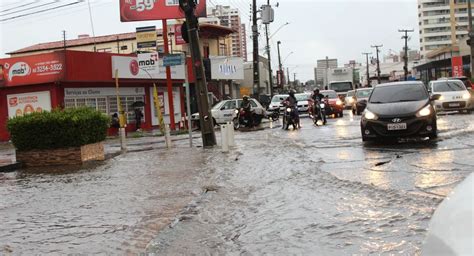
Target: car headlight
{"points": [[426, 111], [441, 97], [466, 96], [288, 110], [370, 116], [339, 102], [351, 100], [236, 111]]}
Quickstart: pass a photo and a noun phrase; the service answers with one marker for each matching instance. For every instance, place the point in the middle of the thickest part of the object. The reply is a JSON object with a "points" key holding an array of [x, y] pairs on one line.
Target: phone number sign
{"points": [[139, 10]]}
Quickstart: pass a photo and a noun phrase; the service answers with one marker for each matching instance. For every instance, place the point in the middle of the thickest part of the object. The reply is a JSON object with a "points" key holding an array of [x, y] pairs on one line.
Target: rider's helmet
{"points": [[316, 91], [292, 93], [246, 97]]}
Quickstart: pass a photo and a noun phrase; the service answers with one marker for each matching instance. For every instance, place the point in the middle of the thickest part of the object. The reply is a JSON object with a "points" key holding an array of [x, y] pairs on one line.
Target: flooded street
{"points": [[315, 191]]}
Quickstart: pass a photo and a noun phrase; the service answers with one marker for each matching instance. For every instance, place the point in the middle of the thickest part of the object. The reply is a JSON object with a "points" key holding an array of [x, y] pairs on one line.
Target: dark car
{"points": [[400, 109], [360, 100]]}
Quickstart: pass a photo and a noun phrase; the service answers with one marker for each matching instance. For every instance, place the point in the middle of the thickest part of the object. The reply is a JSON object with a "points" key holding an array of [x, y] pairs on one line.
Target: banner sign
{"points": [[164, 104], [139, 10], [178, 34], [456, 63], [102, 92], [27, 103], [34, 69], [130, 67], [149, 62], [227, 68], [146, 37]]}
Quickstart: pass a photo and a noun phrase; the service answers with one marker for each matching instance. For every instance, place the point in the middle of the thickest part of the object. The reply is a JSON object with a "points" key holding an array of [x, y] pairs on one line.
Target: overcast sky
{"points": [[340, 29]]}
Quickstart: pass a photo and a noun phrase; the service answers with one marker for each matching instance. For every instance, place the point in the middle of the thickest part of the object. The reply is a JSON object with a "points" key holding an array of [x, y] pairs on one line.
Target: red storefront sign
{"points": [[35, 69], [138, 10], [456, 64], [178, 34]]}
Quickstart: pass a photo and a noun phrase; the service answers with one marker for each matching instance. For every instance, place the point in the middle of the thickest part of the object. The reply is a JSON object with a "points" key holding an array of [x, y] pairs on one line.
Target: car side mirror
{"points": [[435, 97]]}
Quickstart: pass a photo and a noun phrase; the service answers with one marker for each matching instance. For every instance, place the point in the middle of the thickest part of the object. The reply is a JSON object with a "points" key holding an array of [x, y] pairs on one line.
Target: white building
{"points": [[230, 17], [320, 71], [442, 23]]}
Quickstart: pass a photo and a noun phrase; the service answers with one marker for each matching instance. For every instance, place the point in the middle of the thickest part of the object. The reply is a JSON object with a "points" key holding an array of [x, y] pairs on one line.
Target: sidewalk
{"points": [[136, 141]]}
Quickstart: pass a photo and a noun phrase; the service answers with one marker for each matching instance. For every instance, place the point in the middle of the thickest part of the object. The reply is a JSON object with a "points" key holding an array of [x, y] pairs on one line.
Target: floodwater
{"points": [[315, 191]]}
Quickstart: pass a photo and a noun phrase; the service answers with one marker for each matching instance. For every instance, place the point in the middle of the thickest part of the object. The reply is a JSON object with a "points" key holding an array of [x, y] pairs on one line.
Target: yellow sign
{"points": [[158, 109], [146, 37]]}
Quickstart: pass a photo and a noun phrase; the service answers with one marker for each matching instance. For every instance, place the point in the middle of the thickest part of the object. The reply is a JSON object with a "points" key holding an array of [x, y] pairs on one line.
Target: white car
{"points": [[224, 111], [454, 95], [303, 104], [276, 102], [349, 99]]}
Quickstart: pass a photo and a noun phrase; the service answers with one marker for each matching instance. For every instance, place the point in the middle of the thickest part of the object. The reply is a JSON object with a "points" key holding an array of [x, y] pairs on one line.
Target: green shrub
{"points": [[58, 129]]}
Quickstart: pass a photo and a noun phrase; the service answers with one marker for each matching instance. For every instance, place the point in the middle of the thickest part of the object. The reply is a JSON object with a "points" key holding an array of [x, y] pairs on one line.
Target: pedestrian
{"points": [[138, 119], [115, 121]]}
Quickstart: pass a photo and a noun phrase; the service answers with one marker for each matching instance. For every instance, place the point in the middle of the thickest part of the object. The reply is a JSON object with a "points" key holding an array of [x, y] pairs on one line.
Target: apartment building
{"points": [[230, 17], [320, 70], [442, 23]]}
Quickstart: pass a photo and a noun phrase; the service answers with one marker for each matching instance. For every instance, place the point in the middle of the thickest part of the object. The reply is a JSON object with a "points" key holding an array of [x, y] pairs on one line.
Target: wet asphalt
{"points": [[312, 191]]}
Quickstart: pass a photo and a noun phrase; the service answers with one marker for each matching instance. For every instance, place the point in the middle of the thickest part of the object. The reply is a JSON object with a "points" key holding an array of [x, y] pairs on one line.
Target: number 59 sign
{"points": [[138, 10]]}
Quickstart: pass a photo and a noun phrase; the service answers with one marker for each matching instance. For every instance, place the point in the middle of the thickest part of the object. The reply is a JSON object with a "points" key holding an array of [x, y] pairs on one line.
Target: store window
{"points": [[127, 102], [99, 104]]}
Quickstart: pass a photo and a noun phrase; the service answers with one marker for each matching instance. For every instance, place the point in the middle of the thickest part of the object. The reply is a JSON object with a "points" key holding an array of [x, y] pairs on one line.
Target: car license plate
{"points": [[454, 104], [397, 127]]}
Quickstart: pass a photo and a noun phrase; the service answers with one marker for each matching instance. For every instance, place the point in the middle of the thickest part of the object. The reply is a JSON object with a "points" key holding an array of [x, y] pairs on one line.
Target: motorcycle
{"points": [[273, 115], [319, 112], [241, 120], [290, 117]]}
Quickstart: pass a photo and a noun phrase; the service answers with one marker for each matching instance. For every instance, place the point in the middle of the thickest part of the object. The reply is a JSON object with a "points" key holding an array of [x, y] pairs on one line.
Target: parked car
{"points": [[336, 106], [349, 99], [224, 111], [360, 100], [303, 103], [276, 102], [454, 95], [399, 109]]}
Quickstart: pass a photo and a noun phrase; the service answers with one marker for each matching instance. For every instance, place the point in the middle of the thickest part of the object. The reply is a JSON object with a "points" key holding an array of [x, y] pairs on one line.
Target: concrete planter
{"points": [[63, 156]]}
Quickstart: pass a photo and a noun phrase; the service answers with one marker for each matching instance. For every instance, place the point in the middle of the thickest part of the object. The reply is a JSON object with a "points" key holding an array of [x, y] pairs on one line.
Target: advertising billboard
{"points": [[227, 68], [35, 69], [27, 103], [131, 67], [139, 10], [146, 37]]}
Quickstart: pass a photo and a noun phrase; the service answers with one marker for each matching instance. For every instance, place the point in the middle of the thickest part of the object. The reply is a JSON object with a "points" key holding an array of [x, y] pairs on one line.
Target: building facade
{"points": [[320, 71], [442, 23], [230, 17]]}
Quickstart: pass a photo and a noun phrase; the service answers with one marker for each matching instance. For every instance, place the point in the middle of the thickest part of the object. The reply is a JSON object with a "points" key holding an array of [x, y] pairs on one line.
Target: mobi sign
{"points": [[146, 66], [35, 69], [138, 10]]}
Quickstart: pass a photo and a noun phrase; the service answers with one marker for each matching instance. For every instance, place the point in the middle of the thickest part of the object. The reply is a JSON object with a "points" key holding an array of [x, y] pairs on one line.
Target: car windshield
{"points": [[341, 86], [302, 97], [279, 98], [398, 93], [363, 93], [448, 86], [331, 95], [219, 105], [350, 93]]}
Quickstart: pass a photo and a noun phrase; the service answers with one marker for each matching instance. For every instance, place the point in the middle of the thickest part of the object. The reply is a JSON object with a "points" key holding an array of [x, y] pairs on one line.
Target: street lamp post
{"points": [[280, 68]]}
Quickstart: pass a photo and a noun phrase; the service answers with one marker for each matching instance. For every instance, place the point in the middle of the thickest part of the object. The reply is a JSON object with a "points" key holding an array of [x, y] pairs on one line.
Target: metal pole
{"points": [[188, 100], [378, 62], [471, 36], [405, 58], [205, 116], [270, 73], [280, 68], [169, 82], [368, 75], [256, 66]]}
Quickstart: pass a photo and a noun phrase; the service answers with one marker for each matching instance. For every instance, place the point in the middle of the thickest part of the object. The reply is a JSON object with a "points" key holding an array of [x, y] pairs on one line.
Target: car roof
{"points": [[327, 91], [446, 80], [400, 83], [365, 89]]}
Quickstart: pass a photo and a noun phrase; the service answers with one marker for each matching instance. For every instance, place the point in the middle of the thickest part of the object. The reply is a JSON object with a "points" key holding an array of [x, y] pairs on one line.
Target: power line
{"points": [[30, 8], [41, 11], [16, 7]]}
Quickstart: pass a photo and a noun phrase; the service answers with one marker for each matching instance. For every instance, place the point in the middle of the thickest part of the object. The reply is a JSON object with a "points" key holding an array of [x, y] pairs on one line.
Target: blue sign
{"points": [[173, 60]]}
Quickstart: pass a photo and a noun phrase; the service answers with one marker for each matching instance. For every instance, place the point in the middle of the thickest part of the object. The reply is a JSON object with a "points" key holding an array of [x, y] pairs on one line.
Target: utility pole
{"points": [[378, 61], [405, 57], [270, 72], [280, 68], [471, 36], [205, 116], [294, 79], [64, 39], [288, 75], [256, 66], [327, 67], [368, 75]]}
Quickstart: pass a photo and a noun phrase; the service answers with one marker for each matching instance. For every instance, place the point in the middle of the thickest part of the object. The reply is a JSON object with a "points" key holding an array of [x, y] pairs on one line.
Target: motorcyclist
{"points": [[247, 107], [318, 98], [292, 102]]}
